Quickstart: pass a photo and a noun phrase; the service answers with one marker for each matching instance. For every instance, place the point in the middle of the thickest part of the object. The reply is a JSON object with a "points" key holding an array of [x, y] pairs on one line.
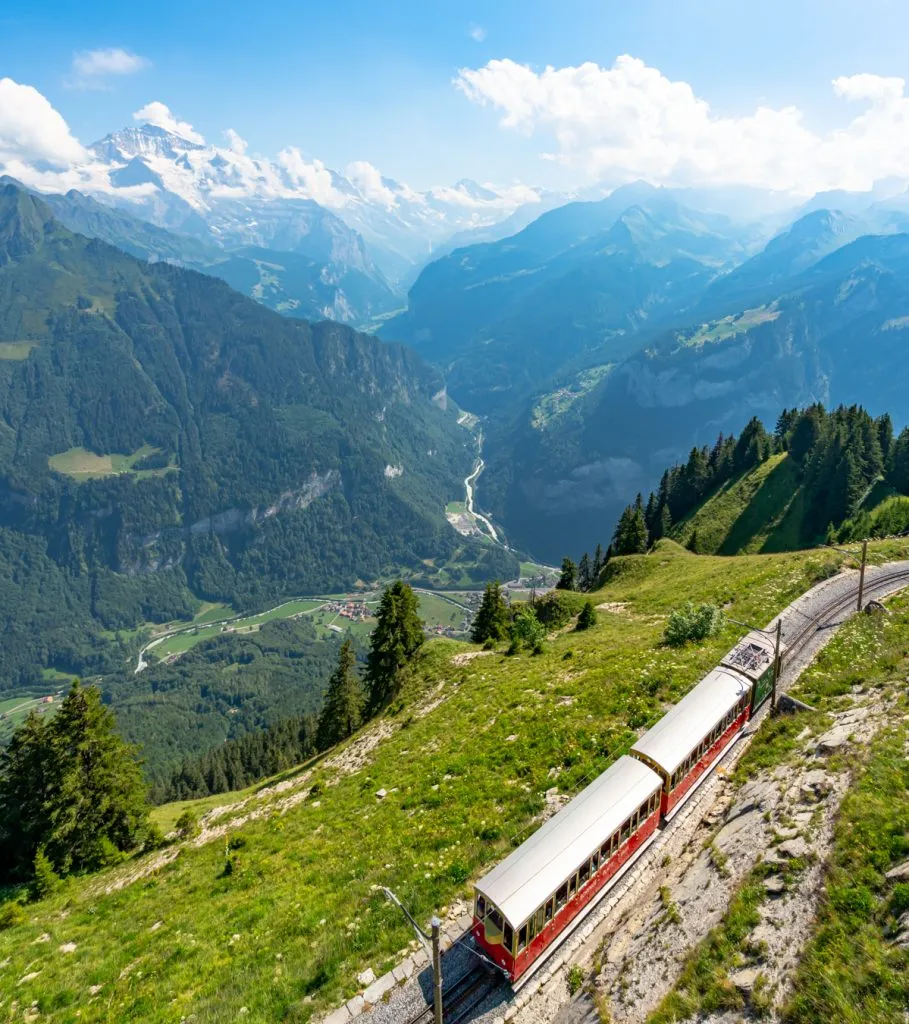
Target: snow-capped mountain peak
{"points": [[176, 180]]}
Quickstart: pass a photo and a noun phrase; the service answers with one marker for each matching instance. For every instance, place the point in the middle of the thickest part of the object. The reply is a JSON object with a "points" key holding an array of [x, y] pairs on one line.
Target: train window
{"points": [[595, 861], [606, 850], [550, 906], [508, 937], [584, 873], [522, 937], [481, 906], [626, 830], [538, 925], [561, 896], [572, 885]]}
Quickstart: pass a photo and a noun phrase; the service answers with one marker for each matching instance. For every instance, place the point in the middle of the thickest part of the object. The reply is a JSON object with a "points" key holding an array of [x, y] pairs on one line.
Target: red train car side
{"points": [[530, 899]]}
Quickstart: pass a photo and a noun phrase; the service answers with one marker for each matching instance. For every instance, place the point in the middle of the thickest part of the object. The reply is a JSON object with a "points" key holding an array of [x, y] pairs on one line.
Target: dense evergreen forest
{"points": [[838, 458], [221, 689], [164, 439], [241, 762]]}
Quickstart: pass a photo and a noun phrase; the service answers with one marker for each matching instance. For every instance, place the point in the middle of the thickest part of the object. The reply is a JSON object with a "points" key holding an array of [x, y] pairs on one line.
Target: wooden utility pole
{"points": [[436, 970], [776, 664], [861, 592]]}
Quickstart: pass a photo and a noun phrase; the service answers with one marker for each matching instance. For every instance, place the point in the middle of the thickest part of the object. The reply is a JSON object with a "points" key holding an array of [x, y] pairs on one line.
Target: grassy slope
{"points": [[762, 511], [300, 915], [850, 973]]}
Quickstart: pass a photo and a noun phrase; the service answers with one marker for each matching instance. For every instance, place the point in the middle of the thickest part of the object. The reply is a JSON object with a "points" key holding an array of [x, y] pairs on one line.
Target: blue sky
{"points": [[370, 80]]}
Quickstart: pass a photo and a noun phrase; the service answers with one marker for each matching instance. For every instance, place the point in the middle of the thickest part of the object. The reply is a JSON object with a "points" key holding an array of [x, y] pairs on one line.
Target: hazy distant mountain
{"points": [[835, 332], [501, 318], [297, 286], [343, 285], [800, 246], [86, 216]]}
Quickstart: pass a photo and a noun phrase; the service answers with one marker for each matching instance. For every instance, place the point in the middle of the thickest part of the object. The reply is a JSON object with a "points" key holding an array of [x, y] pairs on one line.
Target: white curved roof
{"points": [[531, 874], [680, 730]]}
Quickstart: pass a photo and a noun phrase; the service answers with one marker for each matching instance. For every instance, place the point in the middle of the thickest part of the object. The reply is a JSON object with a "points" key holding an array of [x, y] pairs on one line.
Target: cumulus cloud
{"points": [[235, 143], [631, 121], [477, 33], [368, 180], [32, 130], [314, 178], [91, 68], [159, 114]]}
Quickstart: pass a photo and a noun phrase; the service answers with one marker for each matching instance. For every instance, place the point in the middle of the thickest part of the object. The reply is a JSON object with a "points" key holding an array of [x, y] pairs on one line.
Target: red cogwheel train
{"points": [[545, 886]]}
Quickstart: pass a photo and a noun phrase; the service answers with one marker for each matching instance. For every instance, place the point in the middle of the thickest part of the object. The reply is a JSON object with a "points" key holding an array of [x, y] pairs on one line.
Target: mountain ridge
{"points": [[208, 402]]}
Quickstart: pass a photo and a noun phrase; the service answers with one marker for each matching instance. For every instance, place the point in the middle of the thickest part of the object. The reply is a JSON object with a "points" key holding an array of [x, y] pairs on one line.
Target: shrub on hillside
{"points": [[11, 915], [691, 624], [186, 825], [526, 632], [588, 616], [557, 608]]}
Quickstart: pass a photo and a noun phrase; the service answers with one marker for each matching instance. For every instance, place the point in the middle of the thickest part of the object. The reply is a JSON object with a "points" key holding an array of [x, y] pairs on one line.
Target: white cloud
{"points": [[368, 180], [477, 33], [32, 130], [314, 179], [91, 68], [235, 143], [159, 114], [631, 121]]}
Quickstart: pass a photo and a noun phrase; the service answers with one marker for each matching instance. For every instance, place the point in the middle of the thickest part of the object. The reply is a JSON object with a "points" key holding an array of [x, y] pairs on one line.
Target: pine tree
{"points": [[665, 521], [491, 622], [71, 788], [752, 447], [588, 616], [585, 579], [45, 881], [568, 578], [631, 533], [23, 782], [598, 562], [884, 426], [899, 462], [342, 712], [806, 433], [397, 635]]}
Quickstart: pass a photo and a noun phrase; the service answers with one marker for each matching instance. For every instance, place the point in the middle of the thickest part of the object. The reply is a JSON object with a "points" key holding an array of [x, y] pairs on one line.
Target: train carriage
{"points": [[687, 740], [547, 883], [753, 656]]}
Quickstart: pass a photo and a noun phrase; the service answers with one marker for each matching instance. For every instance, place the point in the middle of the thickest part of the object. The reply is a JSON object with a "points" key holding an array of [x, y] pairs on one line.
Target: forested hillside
{"points": [[164, 439], [819, 477], [222, 689]]}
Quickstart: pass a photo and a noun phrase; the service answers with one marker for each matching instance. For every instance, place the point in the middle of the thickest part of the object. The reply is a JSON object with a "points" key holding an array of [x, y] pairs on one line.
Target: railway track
{"points": [[474, 987], [462, 997], [797, 643]]}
